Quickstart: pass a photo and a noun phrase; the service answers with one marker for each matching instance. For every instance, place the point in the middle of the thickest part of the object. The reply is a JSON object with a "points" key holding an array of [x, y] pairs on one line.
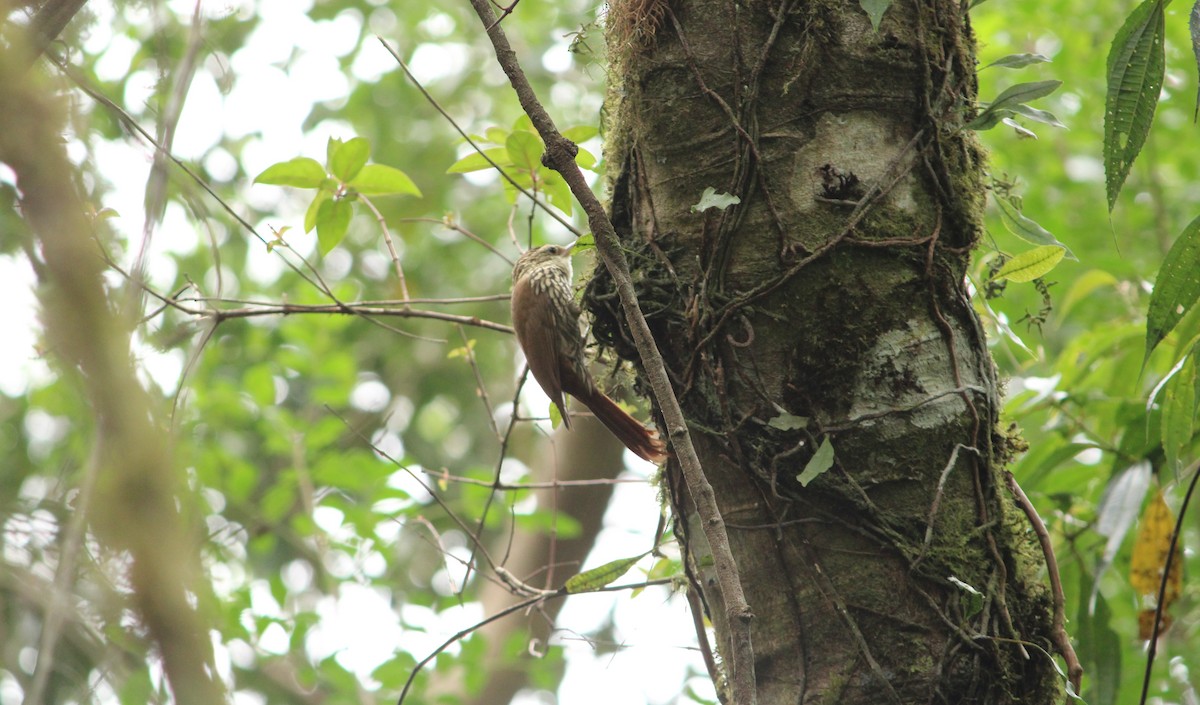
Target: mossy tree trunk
{"points": [[828, 308]]}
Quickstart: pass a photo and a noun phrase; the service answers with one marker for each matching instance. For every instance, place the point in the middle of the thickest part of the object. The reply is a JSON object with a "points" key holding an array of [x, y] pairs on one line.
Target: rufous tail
{"points": [[637, 437]]}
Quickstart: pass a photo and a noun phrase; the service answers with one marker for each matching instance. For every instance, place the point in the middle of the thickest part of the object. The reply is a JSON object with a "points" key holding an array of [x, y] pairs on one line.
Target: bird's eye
{"points": [[553, 249]]}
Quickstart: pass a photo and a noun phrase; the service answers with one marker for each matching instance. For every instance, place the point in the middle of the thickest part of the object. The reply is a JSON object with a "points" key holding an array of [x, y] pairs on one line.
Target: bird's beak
{"points": [[567, 248]]}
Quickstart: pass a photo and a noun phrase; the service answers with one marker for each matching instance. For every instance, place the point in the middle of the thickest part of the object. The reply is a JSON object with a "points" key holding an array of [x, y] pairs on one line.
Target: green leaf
{"points": [[585, 159], [1177, 287], [333, 219], [346, 159], [310, 215], [1024, 227], [788, 422], [1179, 413], [875, 10], [496, 135], [300, 172], [1099, 645], [557, 192], [476, 161], [821, 461], [525, 149], [555, 415], [1135, 75], [1194, 29], [1083, 287], [1031, 264], [580, 133], [1044, 116], [974, 598], [597, 578], [711, 199], [380, 179], [1005, 104], [1017, 61]]}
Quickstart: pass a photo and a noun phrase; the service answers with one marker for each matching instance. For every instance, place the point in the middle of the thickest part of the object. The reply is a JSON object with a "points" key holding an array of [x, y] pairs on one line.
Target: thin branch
{"points": [[387, 238], [531, 602], [1059, 629], [64, 579], [560, 156]]}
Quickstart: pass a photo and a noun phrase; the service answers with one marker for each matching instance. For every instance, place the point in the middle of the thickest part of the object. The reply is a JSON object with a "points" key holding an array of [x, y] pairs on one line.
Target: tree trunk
{"points": [[826, 316]]}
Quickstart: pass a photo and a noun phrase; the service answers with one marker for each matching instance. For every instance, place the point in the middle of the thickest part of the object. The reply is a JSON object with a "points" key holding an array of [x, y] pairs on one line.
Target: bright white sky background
{"points": [[268, 102]]}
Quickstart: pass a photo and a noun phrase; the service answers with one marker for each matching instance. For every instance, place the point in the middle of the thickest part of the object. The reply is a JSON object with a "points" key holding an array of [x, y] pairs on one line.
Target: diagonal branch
{"points": [[560, 156]]}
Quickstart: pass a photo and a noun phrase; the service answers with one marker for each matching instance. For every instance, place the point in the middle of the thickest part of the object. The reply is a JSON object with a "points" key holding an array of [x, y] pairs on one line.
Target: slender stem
{"points": [[1059, 629]]}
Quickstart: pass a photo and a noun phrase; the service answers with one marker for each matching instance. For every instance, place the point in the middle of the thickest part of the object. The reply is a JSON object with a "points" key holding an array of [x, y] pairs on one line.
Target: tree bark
{"points": [[825, 316]]}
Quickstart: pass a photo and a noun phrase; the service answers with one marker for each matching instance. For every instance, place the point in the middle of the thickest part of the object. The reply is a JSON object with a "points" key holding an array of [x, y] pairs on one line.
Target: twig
{"points": [[562, 592], [387, 238], [1059, 628], [560, 156], [64, 578]]}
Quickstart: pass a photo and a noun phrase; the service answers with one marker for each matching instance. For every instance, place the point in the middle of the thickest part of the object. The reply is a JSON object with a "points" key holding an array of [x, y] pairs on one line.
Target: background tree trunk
{"points": [[828, 308]]}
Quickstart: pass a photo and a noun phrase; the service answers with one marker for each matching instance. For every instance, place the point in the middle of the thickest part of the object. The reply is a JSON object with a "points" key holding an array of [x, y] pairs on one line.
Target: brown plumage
{"points": [[546, 320]]}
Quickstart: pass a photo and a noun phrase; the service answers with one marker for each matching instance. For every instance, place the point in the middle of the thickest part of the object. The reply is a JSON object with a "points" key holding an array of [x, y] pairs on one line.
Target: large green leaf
{"points": [[1179, 413], [1194, 29], [1135, 76], [1177, 287]]}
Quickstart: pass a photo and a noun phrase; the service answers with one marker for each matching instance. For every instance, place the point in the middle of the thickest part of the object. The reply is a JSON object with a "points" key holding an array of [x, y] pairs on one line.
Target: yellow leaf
{"points": [[1031, 264], [1149, 560]]}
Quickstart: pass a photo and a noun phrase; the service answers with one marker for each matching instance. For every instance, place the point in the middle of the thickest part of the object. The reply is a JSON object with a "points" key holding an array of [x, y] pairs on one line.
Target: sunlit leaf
{"points": [[348, 158], [1031, 264], [557, 191], [333, 219], [597, 578], [380, 179], [1135, 75], [580, 133], [477, 162], [300, 172], [525, 149], [310, 215], [585, 159]]}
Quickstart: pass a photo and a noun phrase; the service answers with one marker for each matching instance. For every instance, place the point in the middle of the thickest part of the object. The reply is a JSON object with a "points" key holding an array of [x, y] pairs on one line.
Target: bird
{"points": [[546, 320]]}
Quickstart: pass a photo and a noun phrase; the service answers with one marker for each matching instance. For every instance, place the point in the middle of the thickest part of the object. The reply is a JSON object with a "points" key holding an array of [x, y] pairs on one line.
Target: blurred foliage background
{"points": [[273, 418]]}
